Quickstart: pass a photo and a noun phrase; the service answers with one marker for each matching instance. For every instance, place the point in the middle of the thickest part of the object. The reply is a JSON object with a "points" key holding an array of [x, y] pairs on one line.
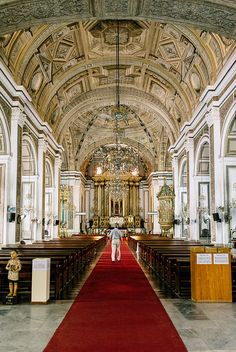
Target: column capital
{"points": [[175, 161], [58, 162], [212, 116], [189, 144], [43, 144], [18, 116]]}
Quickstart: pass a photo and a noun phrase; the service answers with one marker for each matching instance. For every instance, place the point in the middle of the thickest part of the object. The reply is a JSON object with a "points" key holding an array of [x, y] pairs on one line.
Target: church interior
{"points": [[118, 112]]}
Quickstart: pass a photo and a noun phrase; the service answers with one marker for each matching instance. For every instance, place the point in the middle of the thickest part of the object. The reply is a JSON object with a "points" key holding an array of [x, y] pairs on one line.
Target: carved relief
{"points": [[36, 81], [225, 108], [46, 66], [7, 110], [195, 81], [104, 34], [169, 50], [216, 49], [73, 91], [159, 91]]}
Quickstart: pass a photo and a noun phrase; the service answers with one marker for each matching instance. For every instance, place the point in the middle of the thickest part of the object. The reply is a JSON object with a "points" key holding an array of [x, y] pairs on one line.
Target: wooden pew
{"points": [[169, 259], [69, 259]]}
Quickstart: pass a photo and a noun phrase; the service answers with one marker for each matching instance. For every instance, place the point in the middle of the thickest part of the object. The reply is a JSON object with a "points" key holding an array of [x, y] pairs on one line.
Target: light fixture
{"points": [[98, 170], [117, 188], [117, 159]]}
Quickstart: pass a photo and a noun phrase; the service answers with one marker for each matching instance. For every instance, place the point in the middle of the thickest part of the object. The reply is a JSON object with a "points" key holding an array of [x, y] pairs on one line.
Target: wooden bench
{"points": [[169, 260], [69, 259]]}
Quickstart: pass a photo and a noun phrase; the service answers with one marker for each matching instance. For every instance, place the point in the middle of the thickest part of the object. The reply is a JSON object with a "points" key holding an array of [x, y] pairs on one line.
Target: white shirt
{"points": [[115, 234]]}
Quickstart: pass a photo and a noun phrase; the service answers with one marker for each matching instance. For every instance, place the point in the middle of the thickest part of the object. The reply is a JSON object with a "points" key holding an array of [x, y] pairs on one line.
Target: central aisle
{"points": [[116, 311]]}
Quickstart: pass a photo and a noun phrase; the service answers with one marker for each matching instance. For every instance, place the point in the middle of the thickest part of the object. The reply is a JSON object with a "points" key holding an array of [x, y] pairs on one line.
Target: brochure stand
{"points": [[211, 274], [40, 280]]}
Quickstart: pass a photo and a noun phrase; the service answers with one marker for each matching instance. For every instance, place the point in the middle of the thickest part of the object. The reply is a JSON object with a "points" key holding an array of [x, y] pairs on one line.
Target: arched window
{"points": [[48, 175], [28, 159], [2, 139], [203, 202], [48, 230], [203, 165], [231, 139], [29, 186], [183, 175]]}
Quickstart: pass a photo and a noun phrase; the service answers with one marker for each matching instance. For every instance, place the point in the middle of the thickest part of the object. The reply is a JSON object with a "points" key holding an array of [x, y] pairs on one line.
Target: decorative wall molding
{"points": [[216, 17]]}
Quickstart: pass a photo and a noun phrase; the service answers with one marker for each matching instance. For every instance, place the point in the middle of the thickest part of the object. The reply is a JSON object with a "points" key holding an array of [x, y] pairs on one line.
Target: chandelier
{"points": [[118, 158], [117, 188]]}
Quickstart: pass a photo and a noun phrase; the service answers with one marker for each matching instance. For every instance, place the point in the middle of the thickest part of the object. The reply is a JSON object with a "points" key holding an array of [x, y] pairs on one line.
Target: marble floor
{"points": [[202, 326]]}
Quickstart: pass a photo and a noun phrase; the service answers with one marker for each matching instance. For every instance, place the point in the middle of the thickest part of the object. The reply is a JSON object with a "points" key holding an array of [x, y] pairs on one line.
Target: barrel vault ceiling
{"points": [[69, 70]]}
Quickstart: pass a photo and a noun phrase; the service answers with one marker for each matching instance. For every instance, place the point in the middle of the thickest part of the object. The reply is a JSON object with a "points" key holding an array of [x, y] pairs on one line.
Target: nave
{"points": [[27, 327]]}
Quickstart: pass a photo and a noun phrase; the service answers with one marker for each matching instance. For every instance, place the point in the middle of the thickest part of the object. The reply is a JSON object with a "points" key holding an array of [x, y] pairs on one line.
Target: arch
{"points": [[29, 156], [226, 128], [5, 145], [49, 180], [152, 67], [210, 16], [183, 173], [91, 99], [5, 149], [202, 161], [145, 154]]}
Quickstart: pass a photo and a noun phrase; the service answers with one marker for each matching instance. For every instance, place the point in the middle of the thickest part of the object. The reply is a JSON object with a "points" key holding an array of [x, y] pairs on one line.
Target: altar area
{"points": [[117, 220]]}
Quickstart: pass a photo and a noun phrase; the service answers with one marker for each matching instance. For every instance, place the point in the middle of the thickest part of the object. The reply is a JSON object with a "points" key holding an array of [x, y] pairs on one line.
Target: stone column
{"points": [[127, 211], [131, 200], [99, 199], [103, 200], [156, 184], [135, 198], [42, 148], [96, 199], [56, 195], [219, 230], [175, 165], [192, 191], [14, 182], [76, 184], [87, 203]]}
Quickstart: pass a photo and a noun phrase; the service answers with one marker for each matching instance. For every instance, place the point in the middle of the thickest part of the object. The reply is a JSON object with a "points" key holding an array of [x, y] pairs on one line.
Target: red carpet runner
{"points": [[116, 311]]}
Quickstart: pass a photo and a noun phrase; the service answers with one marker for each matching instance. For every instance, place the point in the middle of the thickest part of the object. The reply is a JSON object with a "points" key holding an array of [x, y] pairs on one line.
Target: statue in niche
{"points": [[13, 266]]}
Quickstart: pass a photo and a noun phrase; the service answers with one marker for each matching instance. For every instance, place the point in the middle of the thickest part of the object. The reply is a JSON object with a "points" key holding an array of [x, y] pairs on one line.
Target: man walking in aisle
{"points": [[116, 238]]}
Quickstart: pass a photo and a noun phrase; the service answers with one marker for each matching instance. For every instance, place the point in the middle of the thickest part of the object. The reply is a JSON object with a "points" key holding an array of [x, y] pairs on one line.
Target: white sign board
{"points": [[41, 264], [204, 258], [221, 258]]}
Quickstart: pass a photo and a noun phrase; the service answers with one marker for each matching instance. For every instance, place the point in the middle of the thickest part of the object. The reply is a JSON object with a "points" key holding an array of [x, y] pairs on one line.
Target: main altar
{"points": [[108, 211]]}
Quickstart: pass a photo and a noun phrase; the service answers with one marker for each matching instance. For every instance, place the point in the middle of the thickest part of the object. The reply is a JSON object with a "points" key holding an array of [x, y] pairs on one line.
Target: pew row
{"points": [[169, 260], [70, 257]]}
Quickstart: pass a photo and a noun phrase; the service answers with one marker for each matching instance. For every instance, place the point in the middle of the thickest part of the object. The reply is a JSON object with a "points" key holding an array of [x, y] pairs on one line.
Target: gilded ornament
{"points": [[166, 208]]}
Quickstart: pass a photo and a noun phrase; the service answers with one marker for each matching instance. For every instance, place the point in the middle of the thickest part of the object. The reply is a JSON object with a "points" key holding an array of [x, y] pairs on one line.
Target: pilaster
{"points": [[56, 199], [218, 231], [42, 148], [175, 168], [189, 146], [14, 183]]}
